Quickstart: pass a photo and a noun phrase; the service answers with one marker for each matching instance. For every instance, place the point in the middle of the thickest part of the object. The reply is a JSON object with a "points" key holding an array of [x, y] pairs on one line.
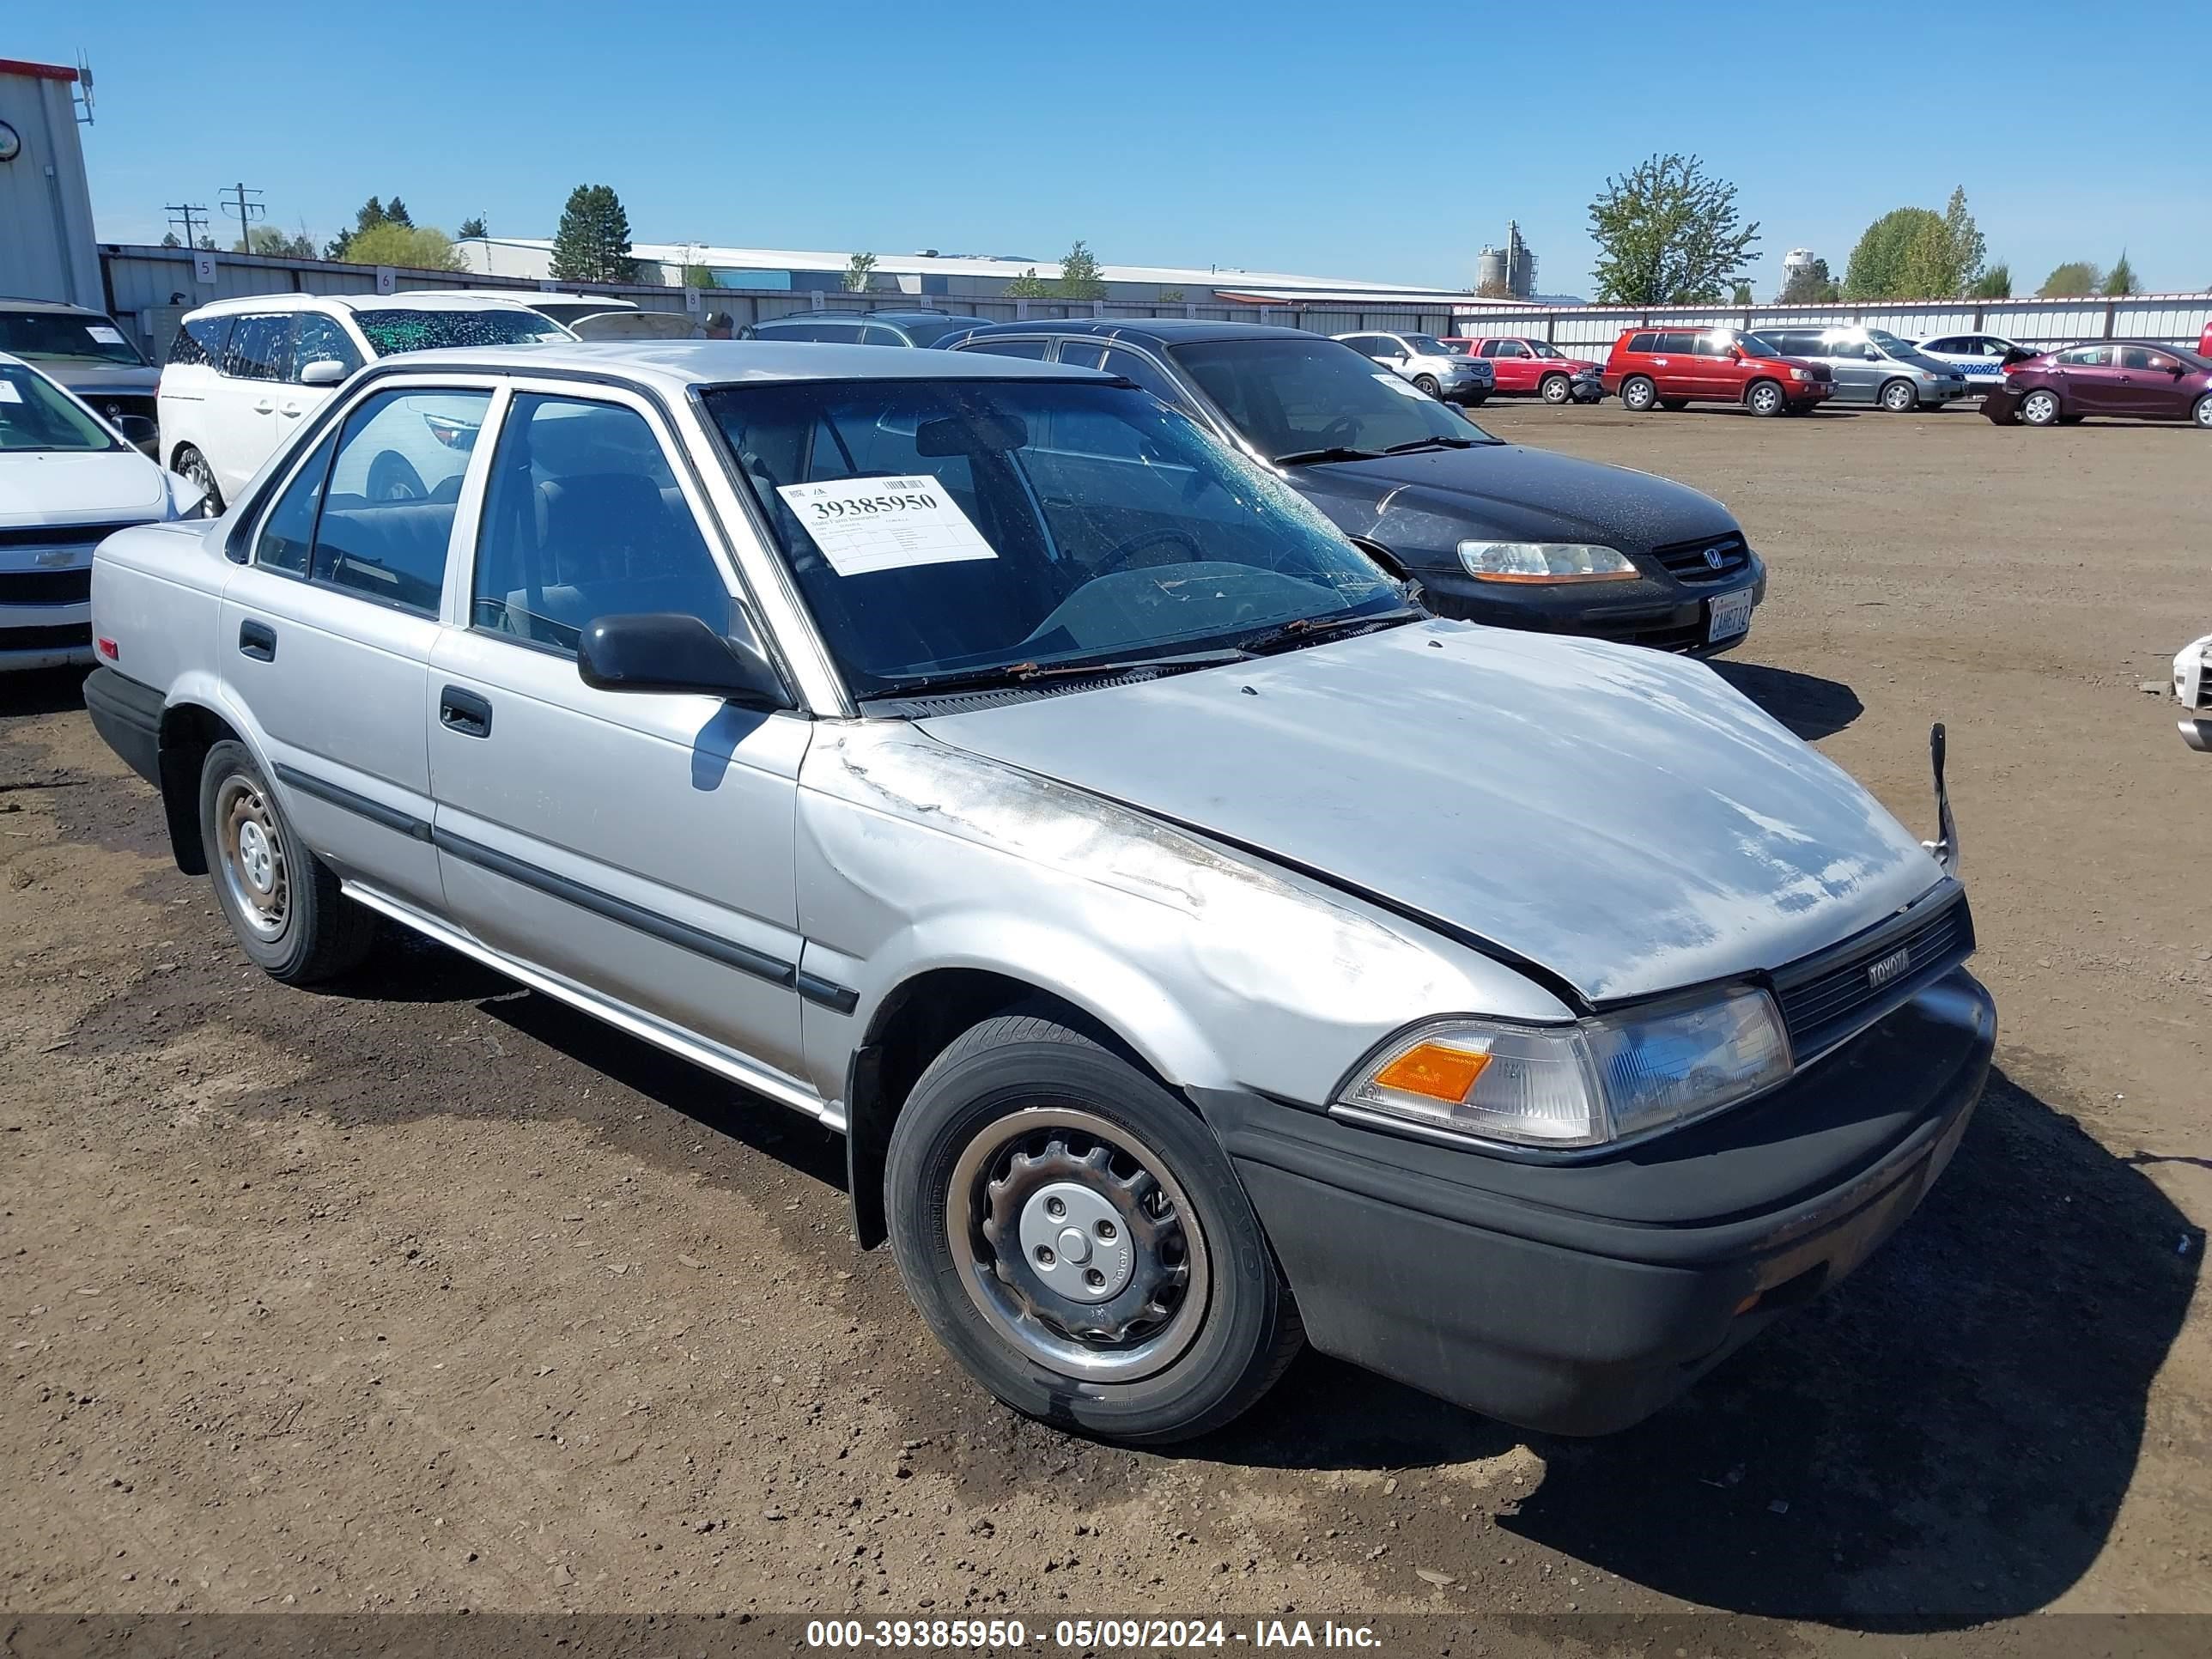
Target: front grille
{"points": [[69, 637], [1684, 636], [1687, 562], [45, 587], [53, 535], [115, 405], [1829, 996], [2204, 684], [1820, 372]]}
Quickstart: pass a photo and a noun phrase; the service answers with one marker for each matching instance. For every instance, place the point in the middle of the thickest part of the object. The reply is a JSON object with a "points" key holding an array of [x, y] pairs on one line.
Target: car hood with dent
{"points": [[41, 486], [1422, 505], [1622, 818]]}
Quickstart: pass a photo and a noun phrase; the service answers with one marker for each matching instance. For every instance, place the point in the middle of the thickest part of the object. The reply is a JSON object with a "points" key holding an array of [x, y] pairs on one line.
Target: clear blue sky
{"points": [[1386, 142]]}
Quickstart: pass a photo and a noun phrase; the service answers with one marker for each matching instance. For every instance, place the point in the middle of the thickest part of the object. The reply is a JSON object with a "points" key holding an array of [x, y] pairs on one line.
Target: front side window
{"points": [[583, 518], [388, 511], [319, 339], [1511, 348], [2144, 357], [1293, 399], [420, 328], [960, 530], [1541, 349], [1137, 366], [1714, 345], [67, 336], [35, 415], [288, 534], [260, 348]]}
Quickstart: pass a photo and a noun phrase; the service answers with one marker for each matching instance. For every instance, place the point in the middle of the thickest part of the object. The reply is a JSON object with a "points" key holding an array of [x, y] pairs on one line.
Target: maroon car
{"points": [[2136, 379]]}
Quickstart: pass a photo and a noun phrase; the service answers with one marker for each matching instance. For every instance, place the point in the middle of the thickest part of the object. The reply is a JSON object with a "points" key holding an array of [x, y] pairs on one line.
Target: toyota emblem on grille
{"points": [[1881, 973], [1715, 557]]}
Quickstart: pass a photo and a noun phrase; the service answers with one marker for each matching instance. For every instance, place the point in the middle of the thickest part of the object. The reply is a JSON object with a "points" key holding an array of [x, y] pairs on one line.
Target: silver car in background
{"points": [[1433, 367], [1200, 949], [1872, 365]]}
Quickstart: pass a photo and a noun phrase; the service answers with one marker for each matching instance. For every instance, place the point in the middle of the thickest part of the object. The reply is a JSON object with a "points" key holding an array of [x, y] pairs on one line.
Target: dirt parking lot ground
{"points": [[428, 1294]]}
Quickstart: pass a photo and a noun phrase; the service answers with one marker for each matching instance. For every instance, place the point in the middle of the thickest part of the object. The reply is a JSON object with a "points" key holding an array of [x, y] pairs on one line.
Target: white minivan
{"points": [[244, 373]]}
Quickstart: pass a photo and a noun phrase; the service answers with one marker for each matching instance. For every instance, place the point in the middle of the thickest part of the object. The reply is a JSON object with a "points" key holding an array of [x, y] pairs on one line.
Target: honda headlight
{"points": [[1799, 374], [1584, 1084], [1544, 562]]}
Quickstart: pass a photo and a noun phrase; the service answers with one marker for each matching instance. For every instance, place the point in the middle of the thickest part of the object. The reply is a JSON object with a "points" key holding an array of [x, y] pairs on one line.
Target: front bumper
{"points": [[1578, 1297], [1653, 611], [1461, 388]]}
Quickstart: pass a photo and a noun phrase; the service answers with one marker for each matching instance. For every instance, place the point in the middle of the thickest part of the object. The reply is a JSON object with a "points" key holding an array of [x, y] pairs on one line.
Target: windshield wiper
{"points": [[1028, 673], [1308, 628], [1334, 452], [1438, 442]]}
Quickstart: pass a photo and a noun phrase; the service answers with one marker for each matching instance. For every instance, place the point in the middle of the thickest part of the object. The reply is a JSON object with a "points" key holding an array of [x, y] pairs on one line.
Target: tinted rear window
{"points": [[1643, 343], [418, 329]]}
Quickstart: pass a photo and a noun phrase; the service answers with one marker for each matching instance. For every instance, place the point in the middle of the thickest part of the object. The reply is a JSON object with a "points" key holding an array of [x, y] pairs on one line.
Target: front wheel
{"points": [[280, 900], [2202, 413], [1899, 398], [1638, 393], [1556, 389], [1476, 399], [1425, 385], [2040, 408], [1076, 1237], [1764, 398]]}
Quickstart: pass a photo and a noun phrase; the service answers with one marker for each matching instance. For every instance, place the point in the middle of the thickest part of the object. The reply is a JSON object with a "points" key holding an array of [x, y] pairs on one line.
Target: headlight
{"points": [[1544, 562], [1799, 374], [1585, 1084]]}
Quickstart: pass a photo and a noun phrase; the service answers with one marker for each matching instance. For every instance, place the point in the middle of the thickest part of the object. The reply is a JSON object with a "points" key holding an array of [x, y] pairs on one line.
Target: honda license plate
{"points": [[1731, 615]]}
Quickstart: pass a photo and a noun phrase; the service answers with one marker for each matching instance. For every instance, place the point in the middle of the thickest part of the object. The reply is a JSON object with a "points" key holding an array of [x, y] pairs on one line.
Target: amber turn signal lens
{"points": [[1433, 1070]]}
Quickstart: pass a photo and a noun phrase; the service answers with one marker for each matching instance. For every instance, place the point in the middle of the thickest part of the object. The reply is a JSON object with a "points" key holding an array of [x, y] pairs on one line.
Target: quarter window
{"points": [[388, 512], [584, 519]]}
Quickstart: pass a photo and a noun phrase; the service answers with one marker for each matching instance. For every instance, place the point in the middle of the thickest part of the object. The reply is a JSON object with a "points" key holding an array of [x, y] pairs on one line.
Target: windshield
{"points": [[413, 329], [953, 530], [1312, 398], [35, 415], [67, 336]]}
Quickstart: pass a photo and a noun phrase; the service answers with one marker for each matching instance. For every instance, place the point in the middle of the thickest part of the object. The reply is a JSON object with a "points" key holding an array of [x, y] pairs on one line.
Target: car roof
{"points": [[675, 366], [415, 299], [1154, 331], [915, 314], [62, 306]]}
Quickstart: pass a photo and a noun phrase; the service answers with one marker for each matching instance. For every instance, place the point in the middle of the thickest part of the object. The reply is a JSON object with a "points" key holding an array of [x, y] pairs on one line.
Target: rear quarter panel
{"points": [[156, 593]]}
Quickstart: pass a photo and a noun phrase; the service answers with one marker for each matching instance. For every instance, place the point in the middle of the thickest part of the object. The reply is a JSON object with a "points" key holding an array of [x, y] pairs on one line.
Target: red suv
{"points": [[1532, 368], [1675, 367]]}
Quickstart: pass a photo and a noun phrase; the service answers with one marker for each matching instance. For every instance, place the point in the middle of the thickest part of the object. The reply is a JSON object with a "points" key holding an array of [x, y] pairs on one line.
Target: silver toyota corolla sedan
{"points": [[1201, 950]]}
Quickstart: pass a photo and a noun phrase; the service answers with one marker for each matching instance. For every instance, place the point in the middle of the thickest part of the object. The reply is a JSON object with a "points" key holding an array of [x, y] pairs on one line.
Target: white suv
{"points": [[1430, 364], [244, 373]]}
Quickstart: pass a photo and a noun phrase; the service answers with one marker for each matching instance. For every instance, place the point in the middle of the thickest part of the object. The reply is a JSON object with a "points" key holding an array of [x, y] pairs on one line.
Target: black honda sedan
{"points": [[1494, 533]]}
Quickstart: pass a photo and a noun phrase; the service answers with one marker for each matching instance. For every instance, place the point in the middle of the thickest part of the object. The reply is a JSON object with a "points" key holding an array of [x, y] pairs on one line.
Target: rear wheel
{"points": [[1674, 403], [1075, 1235], [1764, 397], [1899, 398], [1638, 393], [392, 477], [192, 466], [2040, 408], [1426, 384], [280, 899], [1556, 389]]}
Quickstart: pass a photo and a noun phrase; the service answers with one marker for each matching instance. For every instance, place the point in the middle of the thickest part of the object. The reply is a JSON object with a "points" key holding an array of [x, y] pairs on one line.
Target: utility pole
{"points": [[191, 217], [234, 199]]}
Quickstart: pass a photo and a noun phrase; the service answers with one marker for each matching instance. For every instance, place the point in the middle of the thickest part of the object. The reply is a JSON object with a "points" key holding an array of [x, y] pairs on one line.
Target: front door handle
{"points": [[257, 641], [265, 407], [464, 711]]}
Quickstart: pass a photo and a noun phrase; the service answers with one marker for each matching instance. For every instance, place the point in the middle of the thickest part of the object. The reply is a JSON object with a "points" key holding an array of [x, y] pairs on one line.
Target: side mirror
{"points": [[674, 650], [324, 371], [1735, 354], [139, 430]]}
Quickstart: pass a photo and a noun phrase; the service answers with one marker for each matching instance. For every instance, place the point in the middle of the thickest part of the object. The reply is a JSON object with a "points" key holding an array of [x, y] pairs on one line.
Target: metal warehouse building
{"points": [[46, 245]]}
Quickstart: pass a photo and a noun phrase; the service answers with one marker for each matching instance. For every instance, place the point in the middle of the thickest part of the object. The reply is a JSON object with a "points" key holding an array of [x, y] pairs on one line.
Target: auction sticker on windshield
{"points": [[1403, 388], [866, 525]]}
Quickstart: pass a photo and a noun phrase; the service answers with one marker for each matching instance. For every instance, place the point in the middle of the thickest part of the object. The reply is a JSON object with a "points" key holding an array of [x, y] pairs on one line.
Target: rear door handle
{"points": [[257, 641], [289, 409], [464, 711]]}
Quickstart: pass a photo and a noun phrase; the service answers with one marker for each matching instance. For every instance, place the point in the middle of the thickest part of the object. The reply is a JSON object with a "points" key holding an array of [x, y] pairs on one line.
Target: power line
{"points": [[234, 199], [192, 217]]}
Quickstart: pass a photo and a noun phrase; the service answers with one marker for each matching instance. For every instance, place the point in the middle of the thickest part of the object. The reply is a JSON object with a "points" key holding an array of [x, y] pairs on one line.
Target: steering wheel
{"points": [[1122, 552], [1339, 433]]}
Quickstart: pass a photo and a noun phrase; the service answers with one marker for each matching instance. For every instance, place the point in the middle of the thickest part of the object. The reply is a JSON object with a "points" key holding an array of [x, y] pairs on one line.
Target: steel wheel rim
{"points": [[254, 869], [2039, 408], [997, 1204]]}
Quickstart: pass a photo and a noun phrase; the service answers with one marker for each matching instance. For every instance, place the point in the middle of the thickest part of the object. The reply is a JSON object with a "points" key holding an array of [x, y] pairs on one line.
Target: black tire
{"points": [[1674, 405], [392, 477], [1425, 384], [308, 931], [1024, 1099], [191, 464], [1897, 397], [2041, 407], [1555, 389], [1765, 398], [1476, 399], [1638, 393]]}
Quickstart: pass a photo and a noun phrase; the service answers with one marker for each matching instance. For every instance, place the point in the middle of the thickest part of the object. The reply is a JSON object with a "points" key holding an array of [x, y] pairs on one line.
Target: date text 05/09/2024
{"points": [[1093, 1635]]}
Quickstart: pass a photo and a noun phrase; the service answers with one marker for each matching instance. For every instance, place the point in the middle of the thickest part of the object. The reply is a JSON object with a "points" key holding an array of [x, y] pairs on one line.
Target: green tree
{"points": [[1171, 296], [268, 240], [1667, 234], [2120, 281], [1028, 286], [472, 226], [1877, 268], [1080, 275], [1994, 283], [592, 244], [366, 216], [1742, 294], [396, 211], [2075, 276], [411, 247], [1809, 285], [860, 273], [698, 277]]}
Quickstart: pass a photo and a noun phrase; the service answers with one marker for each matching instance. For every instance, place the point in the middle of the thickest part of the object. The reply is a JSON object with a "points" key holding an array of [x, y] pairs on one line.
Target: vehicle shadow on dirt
{"points": [[1809, 706], [1944, 1440], [42, 691]]}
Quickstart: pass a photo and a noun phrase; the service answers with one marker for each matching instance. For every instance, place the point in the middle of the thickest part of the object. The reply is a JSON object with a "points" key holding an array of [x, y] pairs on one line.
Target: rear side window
{"points": [[1081, 354], [260, 348], [877, 334], [2086, 357], [583, 518], [1032, 348], [202, 340], [388, 512]]}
